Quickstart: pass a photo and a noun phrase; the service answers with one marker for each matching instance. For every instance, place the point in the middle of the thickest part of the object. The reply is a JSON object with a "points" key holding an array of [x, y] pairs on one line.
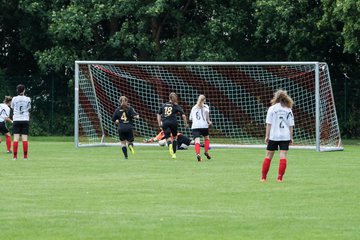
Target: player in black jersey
{"points": [[123, 117], [167, 121]]}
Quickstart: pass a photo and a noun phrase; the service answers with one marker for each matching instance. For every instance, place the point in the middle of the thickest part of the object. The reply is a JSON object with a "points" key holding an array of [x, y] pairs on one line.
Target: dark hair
{"points": [[7, 99], [20, 88]]}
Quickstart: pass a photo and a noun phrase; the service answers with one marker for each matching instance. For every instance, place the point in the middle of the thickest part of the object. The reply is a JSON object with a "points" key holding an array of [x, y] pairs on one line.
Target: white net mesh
{"points": [[238, 96]]}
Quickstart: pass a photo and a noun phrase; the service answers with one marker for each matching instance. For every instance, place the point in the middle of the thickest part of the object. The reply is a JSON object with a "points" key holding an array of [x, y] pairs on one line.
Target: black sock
{"points": [[174, 146], [124, 150]]}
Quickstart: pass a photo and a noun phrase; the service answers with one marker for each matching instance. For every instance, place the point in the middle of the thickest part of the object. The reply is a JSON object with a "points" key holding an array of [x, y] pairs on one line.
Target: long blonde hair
{"points": [[123, 101], [281, 96], [173, 98], [200, 102]]}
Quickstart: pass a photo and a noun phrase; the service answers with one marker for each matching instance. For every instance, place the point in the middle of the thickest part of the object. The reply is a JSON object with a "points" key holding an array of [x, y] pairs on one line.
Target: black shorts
{"points": [[170, 128], [126, 135], [183, 140], [21, 127], [275, 145], [198, 132], [3, 128]]}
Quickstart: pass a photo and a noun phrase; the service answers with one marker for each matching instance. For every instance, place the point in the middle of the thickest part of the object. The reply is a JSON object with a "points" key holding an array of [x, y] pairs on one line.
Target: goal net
{"points": [[238, 94]]}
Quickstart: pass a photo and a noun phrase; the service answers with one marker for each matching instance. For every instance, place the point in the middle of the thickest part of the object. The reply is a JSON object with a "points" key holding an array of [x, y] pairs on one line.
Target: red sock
{"points": [[206, 145], [8, 142], [197, 148], [25, 148], [15, 148], [265, 167], [282, 167]]}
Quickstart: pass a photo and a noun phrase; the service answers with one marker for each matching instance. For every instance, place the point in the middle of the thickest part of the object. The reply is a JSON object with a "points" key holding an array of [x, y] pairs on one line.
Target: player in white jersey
{"points": [[279, 132], [200, 117], [5, 117], [21, 106]]}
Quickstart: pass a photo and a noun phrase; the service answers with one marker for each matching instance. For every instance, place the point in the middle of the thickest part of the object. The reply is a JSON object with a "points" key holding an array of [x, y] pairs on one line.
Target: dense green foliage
{"points": [[42, 39], [63, 192]]}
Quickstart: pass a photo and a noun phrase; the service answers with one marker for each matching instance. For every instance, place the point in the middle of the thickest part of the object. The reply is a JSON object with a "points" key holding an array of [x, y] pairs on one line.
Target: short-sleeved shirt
{"points": [[198, 117], [281, 119], [125, 117], [21, 106], [4, 112], [168, 112]]}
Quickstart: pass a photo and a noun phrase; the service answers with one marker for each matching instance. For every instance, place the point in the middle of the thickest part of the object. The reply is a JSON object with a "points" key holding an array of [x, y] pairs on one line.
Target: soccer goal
{"points": [[238, 94]]}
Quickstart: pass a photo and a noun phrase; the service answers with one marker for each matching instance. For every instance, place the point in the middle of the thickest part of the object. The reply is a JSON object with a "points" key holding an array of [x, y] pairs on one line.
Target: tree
{"points": [[42, 39]]}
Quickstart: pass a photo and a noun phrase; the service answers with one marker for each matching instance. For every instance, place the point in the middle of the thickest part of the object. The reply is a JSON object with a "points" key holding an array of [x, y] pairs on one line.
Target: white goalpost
{"points": [[238, 94]]}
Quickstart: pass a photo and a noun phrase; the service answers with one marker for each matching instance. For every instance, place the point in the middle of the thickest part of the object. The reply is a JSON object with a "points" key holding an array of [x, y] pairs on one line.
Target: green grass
{"points": [[63, 192]]}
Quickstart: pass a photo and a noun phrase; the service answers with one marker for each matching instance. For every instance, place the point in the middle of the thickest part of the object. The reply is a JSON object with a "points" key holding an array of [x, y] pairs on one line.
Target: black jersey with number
{"points": [[125, 118], [168, 112]]}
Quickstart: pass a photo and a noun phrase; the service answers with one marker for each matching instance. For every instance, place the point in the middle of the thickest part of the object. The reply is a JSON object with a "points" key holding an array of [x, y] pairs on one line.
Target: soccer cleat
{"points": [[171, 150], [173, 156], [280, 180], [198, 157], [132, 150], [8, 152], [263, 180], [207, 155], [14, 158], [25, 159]]}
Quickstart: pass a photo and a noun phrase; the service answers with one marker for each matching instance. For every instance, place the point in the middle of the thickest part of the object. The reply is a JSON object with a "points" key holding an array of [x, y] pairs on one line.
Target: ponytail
{"points": [[200, 102]]}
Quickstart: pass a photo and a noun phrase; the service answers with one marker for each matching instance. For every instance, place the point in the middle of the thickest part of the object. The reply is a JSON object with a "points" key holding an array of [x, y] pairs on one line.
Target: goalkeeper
{"points": [[182, 140]]}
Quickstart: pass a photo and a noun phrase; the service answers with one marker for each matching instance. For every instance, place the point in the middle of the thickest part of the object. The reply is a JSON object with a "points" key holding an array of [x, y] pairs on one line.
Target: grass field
{"points": [[63, 192]]}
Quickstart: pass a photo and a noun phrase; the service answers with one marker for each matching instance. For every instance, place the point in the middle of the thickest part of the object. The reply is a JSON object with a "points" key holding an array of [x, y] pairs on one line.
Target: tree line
{"points": [[40, 40]]}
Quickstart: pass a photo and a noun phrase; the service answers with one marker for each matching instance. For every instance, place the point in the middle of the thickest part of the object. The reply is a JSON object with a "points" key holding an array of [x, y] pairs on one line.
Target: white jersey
{"points": [[198, 117], [21, 106], [4, 112], [281, 119]]}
